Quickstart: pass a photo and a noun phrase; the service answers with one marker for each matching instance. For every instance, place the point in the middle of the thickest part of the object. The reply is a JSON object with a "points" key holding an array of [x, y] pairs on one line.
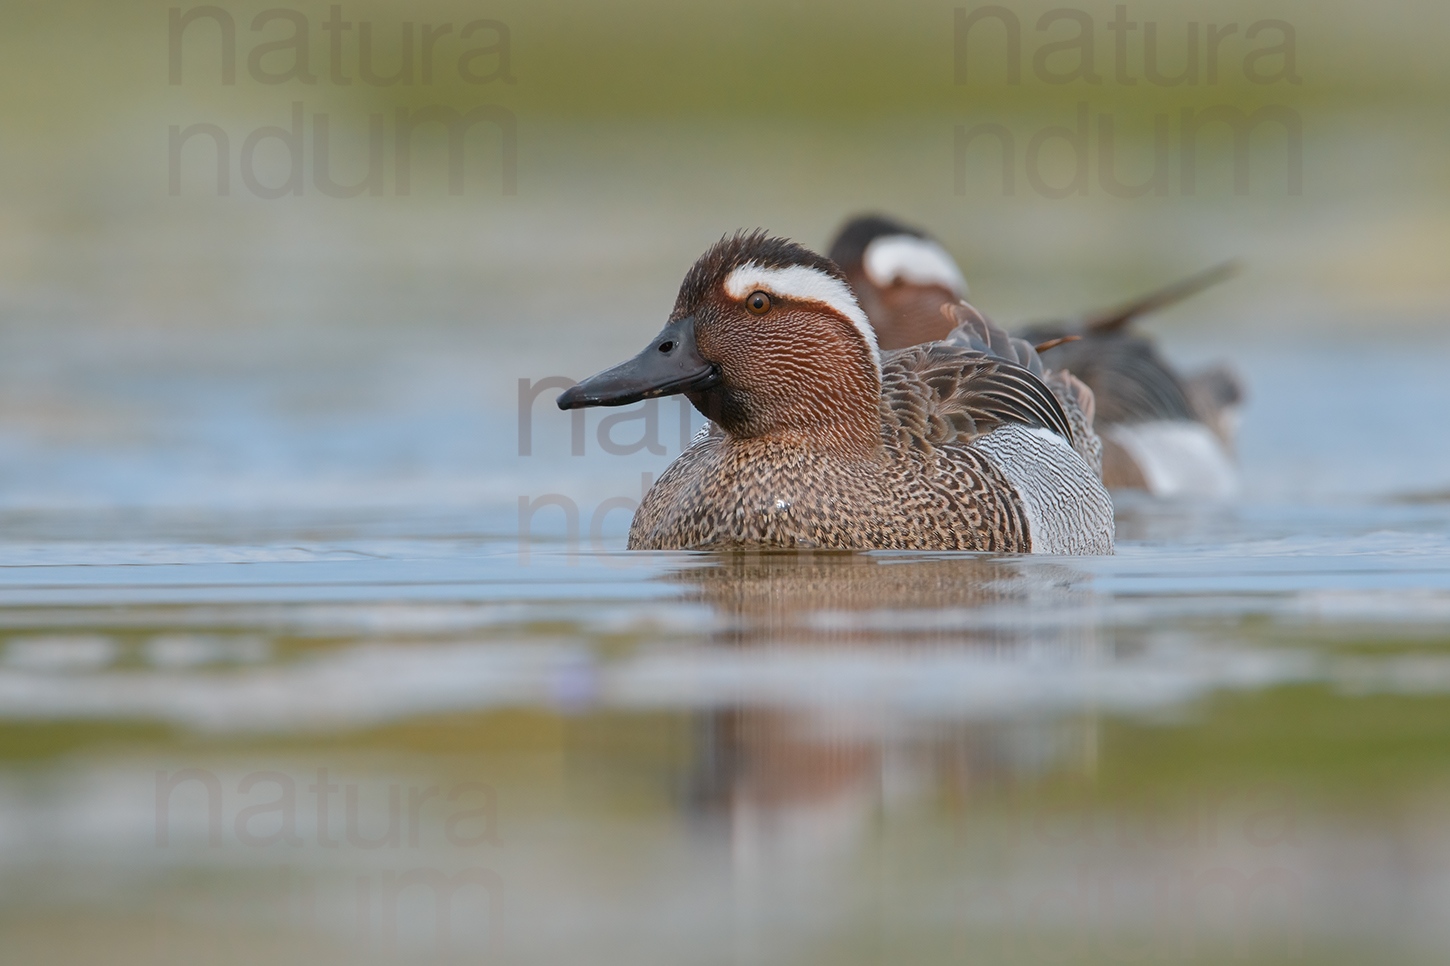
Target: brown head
{"points": [[902, 278], [767, 341]]}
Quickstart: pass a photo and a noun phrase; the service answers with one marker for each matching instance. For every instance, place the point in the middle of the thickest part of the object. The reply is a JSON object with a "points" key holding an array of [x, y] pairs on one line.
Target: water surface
{"points": [[317, 699]]}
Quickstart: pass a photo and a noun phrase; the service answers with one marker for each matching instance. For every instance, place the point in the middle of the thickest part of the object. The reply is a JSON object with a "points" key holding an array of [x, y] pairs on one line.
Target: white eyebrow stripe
{"points": [[807, 285], [919, 261]]}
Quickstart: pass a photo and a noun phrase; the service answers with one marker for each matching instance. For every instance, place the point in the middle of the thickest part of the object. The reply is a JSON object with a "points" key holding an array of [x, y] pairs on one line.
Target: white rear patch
{"points": [[1178, 458], [1067, 509], [804, 284], [917, 261]]}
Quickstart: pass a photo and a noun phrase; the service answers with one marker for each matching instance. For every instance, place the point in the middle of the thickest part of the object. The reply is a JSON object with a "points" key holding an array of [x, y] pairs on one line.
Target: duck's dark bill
{"points": [[671, 364]]}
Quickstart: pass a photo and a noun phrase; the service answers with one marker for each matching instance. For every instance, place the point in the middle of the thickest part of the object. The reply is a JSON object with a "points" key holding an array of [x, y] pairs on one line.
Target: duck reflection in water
{"points": [[852, 712]]}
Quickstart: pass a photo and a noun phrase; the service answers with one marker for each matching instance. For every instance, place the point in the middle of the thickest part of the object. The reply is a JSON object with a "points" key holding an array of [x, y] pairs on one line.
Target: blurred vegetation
{"points": [[657, 125], [808, 59]]}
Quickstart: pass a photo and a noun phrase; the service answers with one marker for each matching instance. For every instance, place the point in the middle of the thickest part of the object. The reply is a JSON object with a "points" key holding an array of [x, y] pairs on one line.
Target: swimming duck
{"points": [[1161, 432], [901, 276], [818, 439]]}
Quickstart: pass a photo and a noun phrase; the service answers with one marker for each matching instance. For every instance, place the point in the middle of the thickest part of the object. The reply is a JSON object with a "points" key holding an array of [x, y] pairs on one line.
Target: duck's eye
{"points": [[758, 303]]}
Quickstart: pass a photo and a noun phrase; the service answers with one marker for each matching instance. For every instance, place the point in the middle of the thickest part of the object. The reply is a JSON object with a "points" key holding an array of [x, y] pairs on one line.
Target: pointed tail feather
{"points": [[1110, 320]]}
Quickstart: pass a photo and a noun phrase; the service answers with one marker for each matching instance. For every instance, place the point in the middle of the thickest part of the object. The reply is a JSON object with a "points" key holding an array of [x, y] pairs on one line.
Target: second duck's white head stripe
{"points": [[918, 261], [807, 285]]}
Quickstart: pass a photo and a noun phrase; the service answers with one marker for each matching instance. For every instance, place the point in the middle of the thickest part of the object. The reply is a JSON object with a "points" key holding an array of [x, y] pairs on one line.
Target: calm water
{"points": [[310, 697]]}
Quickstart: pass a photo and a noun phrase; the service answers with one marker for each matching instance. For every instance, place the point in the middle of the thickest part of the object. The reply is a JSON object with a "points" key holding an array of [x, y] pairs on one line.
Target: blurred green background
{"points": [[645, 130]]}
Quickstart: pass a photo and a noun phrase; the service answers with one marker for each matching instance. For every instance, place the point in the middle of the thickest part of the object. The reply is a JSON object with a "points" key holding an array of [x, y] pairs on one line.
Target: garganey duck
{"points": [[1168, 434], [901, 278], [818, 439]]}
